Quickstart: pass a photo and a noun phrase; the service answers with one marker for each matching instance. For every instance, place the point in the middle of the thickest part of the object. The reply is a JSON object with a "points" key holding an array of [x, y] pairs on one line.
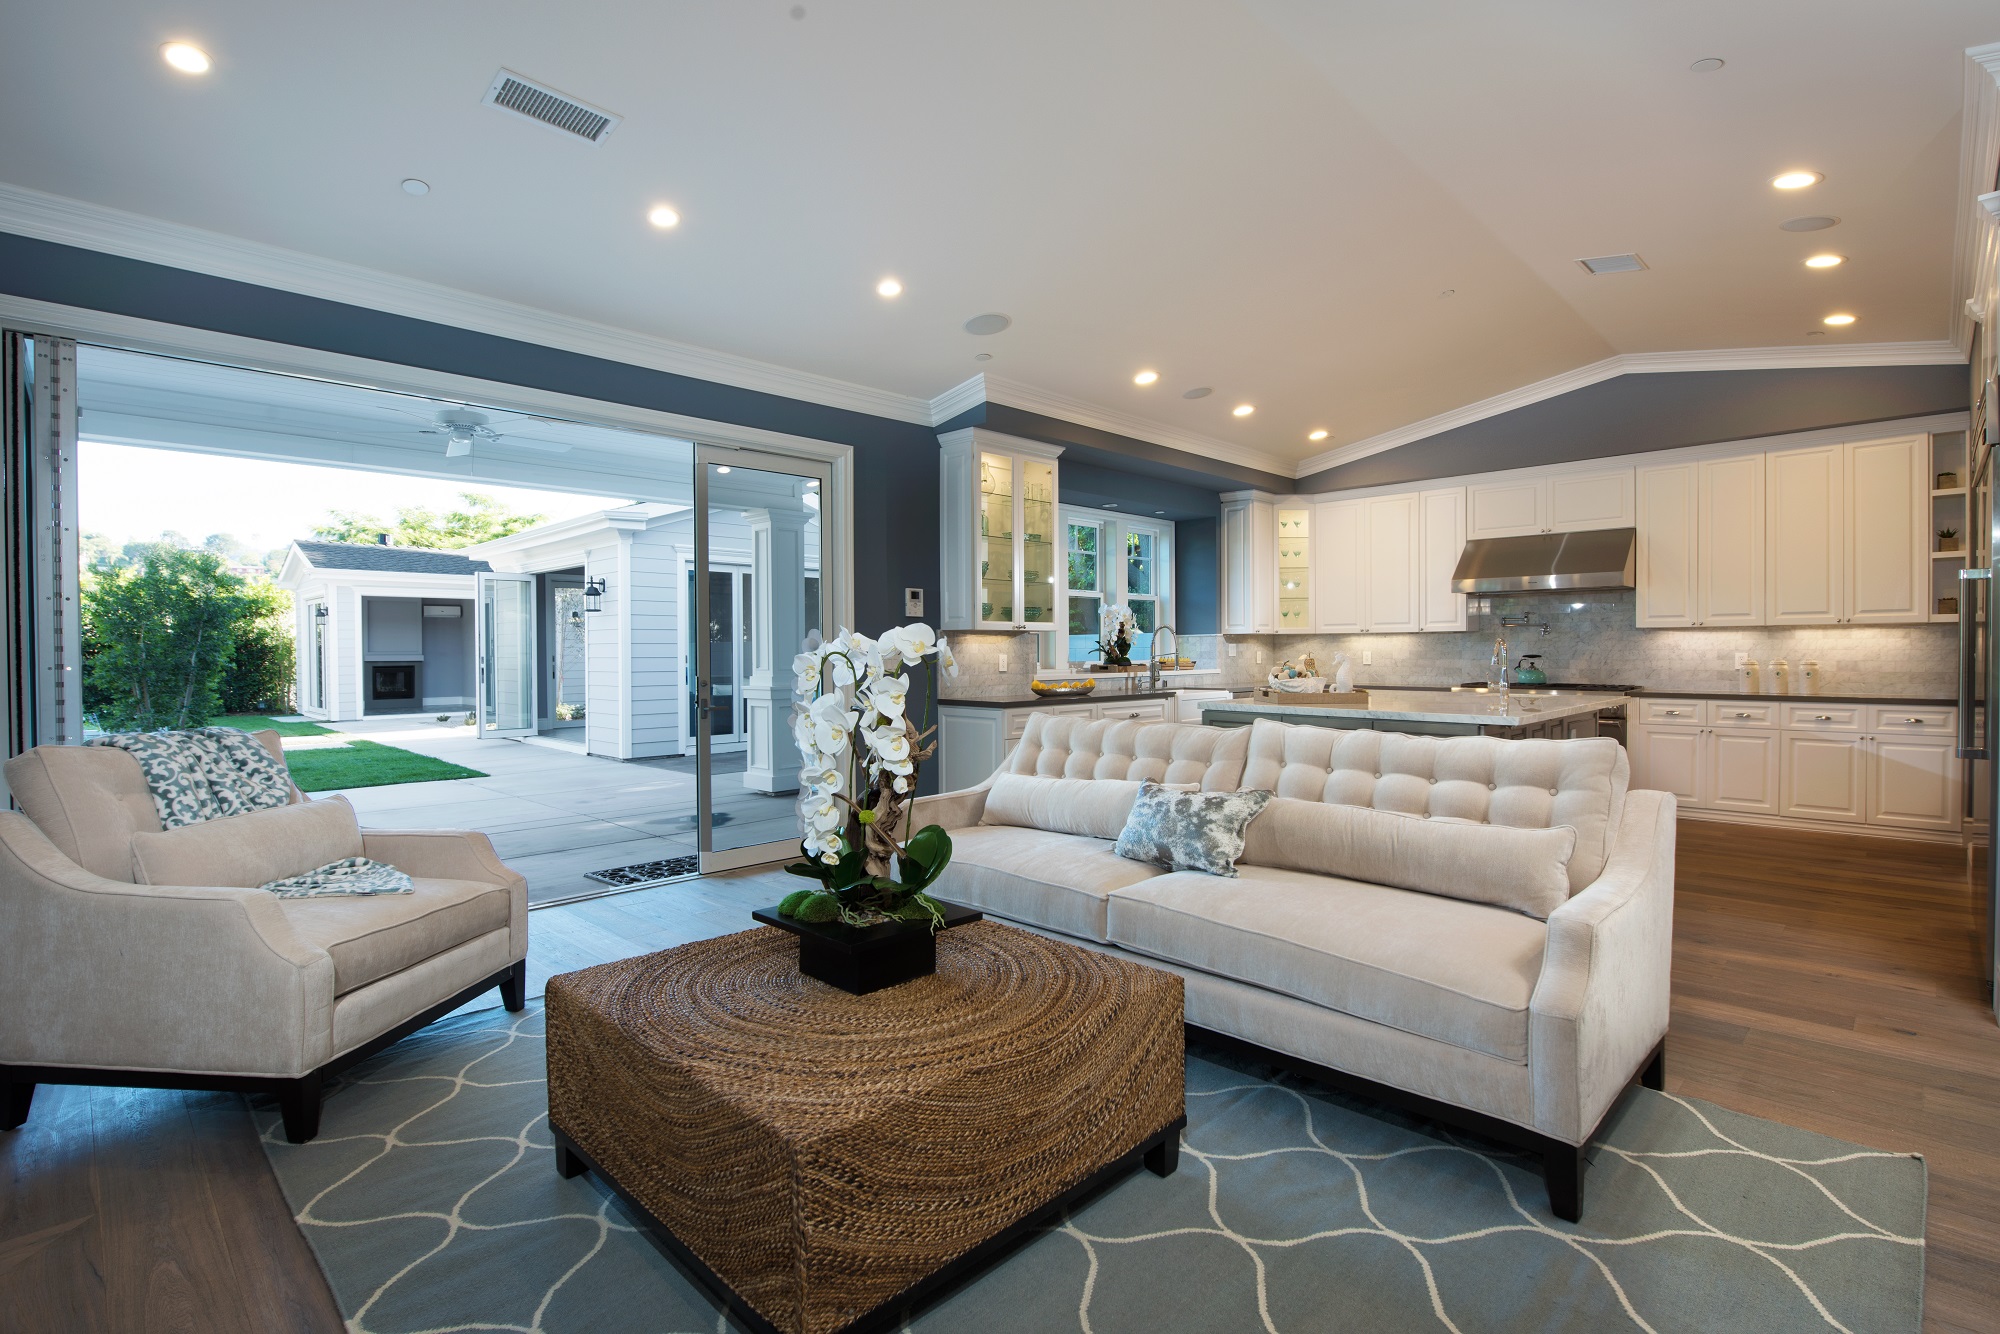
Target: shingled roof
{"points": [[397, 560]]}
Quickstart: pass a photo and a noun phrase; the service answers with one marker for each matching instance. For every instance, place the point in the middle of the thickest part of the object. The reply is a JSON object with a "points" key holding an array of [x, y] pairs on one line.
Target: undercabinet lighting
{"points": [[1825, 261], [1838, 320], [1145, 377], [664, 216], [888, 287], [1242, 410], [1316, 435], [185, 57], [1796, 180]]}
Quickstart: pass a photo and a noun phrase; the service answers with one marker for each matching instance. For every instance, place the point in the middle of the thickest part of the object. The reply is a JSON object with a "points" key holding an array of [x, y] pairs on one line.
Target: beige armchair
{"points": [[104, 981]]}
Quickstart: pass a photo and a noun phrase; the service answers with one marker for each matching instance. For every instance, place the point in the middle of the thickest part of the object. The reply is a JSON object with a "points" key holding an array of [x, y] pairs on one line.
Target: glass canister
{"points": [[1781, 677]]}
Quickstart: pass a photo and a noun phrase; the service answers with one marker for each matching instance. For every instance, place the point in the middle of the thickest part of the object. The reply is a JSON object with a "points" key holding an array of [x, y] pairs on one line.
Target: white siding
{"points": [[604, 649], [658, 590], [344, 657]]}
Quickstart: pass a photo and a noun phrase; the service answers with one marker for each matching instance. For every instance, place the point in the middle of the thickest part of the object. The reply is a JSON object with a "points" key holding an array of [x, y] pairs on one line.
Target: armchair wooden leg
{"points": [[1654, 1076], [1562, 1170], [567, 1163], [299, 1103], [15, 1099], [1164, 1158], [514, 988]]}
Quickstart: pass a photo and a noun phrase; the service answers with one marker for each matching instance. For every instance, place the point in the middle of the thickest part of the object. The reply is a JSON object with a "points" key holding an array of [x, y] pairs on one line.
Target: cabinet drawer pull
{"points": [[1742, 713], [1673, 713], [1914, 720], [1823, 717]]}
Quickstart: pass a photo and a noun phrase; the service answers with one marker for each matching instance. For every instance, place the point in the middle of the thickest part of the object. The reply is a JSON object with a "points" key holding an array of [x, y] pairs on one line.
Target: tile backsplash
{"points": [[1591, 638]]}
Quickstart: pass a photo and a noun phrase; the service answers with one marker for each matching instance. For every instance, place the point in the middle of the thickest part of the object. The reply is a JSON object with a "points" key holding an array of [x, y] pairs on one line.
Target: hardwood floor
{"points": [[1823, 981]]}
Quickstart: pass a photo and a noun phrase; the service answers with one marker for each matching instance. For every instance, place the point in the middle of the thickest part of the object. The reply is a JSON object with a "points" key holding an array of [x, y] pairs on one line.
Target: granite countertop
{"points": [[1924, 700], [1032, 701], [1433, 706]]}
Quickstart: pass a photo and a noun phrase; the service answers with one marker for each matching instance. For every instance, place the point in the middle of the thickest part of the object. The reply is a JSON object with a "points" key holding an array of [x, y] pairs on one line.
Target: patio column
{"points": [[777, 632]]}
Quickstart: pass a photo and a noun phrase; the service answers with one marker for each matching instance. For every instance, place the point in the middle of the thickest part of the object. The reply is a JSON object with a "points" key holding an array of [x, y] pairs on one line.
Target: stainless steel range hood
{"points": [[1548, 562]]}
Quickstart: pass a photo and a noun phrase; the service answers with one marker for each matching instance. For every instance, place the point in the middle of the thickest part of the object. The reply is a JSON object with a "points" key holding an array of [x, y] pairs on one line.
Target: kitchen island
{"points": [[1434, 713]]}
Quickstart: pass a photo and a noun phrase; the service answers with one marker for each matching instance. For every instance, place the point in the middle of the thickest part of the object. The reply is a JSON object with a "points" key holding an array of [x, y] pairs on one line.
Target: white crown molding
{"points": [[964, 395], [1938, 353], [1026, 397], [133, 236]]}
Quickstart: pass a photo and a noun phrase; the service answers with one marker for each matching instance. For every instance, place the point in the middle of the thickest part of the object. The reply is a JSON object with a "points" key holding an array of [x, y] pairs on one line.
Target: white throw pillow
{"points": [[1095, 807], [1526, 870], [248, 851]]}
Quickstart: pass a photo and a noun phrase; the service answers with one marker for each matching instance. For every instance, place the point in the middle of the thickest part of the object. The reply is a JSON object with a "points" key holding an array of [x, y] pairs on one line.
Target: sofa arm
{"points": [[1601, 1003], [953, 810], [454, 854], [97, 972]]}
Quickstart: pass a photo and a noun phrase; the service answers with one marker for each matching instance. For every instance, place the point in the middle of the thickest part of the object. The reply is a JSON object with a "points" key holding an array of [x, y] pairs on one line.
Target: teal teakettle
{"points": [[1528, 671]]}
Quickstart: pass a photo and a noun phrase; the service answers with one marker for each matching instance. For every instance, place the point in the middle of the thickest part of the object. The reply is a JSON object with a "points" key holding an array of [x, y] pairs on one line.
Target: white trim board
{"points": [[1973, 244], [1937, 353], [112, 231]]}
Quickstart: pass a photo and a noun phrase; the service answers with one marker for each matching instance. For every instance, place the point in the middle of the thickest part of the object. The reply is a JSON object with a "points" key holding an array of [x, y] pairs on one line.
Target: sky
{"points": [[132, 494]]}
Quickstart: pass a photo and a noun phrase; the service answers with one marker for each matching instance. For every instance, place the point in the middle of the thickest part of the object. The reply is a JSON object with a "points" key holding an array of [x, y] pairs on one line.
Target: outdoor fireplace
{"points": [[392, 686]]}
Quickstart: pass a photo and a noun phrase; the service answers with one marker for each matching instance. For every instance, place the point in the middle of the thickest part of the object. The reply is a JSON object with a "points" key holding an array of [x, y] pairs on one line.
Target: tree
{"points": [[158, 638], [259, 676], [480, 518], [97, 549]]}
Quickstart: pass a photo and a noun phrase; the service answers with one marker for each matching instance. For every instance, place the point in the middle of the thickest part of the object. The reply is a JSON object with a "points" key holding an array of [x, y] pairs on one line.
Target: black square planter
{"points": [[867, 958]]}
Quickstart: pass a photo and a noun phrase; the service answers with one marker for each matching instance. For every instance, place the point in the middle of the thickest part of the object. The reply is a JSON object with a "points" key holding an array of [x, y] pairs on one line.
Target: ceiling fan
{"points": [[462, 428]]}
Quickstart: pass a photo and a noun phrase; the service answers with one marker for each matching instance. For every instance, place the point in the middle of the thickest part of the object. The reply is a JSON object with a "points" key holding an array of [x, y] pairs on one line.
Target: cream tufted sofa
{"points": [[1522, 1029]]}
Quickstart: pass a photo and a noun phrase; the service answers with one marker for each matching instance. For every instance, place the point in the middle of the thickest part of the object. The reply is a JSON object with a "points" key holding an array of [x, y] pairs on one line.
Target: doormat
{"points": [[645, 873]]}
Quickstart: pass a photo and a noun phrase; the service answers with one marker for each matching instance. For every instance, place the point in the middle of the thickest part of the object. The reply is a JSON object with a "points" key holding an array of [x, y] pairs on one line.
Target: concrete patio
{"points": [[554, 813]]}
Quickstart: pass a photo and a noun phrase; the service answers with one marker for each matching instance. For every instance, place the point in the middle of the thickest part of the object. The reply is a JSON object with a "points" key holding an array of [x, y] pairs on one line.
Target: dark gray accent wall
{"points": [[895, 463], [1120, 453], [1637, 414], [1198, 576]]}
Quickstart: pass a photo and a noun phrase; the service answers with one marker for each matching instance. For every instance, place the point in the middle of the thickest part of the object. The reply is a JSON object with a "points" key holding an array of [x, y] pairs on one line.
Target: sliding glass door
{"points": [[507, 654]]}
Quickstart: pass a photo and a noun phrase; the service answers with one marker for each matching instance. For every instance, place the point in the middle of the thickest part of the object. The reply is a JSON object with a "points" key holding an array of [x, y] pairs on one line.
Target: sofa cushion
{"points": [[1095, 807], [372, 938], [1065, 746], [250, 850], [1460, 973], [1526, 870], [90, 800], [1524, 784], [1054, 881], [1189, 831]]}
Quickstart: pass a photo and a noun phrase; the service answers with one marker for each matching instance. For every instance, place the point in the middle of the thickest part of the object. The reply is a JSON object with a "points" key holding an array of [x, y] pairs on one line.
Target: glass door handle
{"points": [[1971, 582]]}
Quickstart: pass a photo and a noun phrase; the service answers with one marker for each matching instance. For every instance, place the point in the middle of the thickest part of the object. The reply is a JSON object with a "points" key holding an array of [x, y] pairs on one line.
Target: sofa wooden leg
{"points": [[1654, 1076], [14, 1102], [1165, 1157], [568, 1164], [514, 988], [1562, 1170], [299, 1103]]}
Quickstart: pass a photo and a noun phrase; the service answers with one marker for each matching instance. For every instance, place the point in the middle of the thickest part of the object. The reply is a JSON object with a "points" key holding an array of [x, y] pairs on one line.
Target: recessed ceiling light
{"points": [[1111, 504], [992, 322], [1838, 320], [1159, 511], [664, 216], [982, 356], [888, 287], [722, 467], [1145, 377], [1198, 393], [1242, 410], [185, 57], [1810, 224], [413, 186], [1825, 261], [1317, 435], [1796, 180], [1707, 65]]}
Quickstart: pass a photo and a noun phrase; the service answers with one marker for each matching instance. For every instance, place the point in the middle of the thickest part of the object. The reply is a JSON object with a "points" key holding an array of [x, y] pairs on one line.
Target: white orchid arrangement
{"points": [[861, 751], [1115, 628]]}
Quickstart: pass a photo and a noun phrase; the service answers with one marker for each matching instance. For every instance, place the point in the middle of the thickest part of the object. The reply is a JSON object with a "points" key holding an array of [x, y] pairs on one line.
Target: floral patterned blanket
{"points": [[205, 772]]}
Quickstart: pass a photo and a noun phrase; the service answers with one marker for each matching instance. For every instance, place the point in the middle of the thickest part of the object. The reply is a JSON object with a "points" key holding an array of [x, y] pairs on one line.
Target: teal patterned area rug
{"points": [[432, 1201]]}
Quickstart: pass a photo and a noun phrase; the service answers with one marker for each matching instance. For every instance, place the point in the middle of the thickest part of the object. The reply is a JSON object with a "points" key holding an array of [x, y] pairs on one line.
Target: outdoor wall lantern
{"points": [[319, 612], [593, 595]]}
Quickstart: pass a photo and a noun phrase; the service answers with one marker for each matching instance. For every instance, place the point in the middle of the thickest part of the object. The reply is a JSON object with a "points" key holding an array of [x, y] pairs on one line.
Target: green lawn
{"points": [[367, 764], [251, 722]]}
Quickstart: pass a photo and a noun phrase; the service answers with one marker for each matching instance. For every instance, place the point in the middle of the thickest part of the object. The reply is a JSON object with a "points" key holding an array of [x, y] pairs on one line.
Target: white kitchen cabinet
{"points": [[1845, 533], [1340, 568], [1249, 542], [1740, 771], [1295, 582], [1667, 758], [1913, 781], [1393, 555], [998, 538], [1825, 777], [1550, 502], [973, 739], [1443, 524], [1701, 543]]}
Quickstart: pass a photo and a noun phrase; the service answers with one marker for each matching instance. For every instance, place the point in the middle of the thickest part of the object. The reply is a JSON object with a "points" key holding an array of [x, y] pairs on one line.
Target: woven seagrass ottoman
{"points": [[823, 1161]]}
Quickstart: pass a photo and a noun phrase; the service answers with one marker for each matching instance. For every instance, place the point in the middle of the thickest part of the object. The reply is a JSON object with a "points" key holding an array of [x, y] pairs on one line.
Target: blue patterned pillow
{"points": [[1189, 831]]}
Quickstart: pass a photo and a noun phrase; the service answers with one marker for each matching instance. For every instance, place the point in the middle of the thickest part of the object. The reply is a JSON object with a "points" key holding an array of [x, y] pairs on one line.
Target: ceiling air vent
{"points": [[558, 111], [1613, 264]]}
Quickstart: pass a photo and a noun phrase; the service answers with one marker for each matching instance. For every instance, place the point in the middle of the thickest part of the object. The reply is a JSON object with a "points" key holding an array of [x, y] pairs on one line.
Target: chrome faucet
{"points": [[1153, 658]]}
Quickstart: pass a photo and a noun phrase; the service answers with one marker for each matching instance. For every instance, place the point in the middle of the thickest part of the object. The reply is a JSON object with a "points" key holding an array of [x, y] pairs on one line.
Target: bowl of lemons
{"points": [[1079, 685]]}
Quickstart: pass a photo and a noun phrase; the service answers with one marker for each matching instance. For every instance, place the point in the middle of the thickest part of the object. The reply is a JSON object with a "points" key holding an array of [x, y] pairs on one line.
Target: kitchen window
{"points": [[1109, 560]]}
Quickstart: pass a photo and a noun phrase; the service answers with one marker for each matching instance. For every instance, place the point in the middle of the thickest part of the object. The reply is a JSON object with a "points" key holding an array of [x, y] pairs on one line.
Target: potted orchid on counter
{"points": [[861, 751], [1114, 635]]}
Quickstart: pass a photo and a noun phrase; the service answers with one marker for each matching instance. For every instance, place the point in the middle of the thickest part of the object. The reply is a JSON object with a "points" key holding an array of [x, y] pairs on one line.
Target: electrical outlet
{"points": [[1260, 656], [1003, 664], [1741, 656], [1232, 650], [1368, 657]]}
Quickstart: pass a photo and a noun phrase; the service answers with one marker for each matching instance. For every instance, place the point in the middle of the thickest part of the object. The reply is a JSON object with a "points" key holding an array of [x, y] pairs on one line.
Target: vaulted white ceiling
{"points": [[1265, 197]]}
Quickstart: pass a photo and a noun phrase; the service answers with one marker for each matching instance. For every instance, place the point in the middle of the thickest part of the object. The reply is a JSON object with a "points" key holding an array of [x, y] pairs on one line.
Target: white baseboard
{"points": [[1825, 826]]}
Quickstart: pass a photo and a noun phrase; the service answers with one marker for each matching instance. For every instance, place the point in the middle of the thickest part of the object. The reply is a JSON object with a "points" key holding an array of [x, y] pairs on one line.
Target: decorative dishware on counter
{"points": [[1069, 686]]}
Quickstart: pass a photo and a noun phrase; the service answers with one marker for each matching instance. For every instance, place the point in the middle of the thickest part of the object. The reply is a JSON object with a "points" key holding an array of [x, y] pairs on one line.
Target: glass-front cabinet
{"points": [[1001, 541], [1295, 568]]}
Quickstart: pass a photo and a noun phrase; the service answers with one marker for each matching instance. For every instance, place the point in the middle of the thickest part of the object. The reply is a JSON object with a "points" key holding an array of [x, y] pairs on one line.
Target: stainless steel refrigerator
{"points": [[1979, 667]]}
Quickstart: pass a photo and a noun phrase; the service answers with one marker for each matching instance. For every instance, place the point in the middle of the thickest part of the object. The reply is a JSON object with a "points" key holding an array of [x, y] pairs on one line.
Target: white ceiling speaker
{"points": [[1613, 264], [1198, 393], [1812, 224], [545, 106], [991, 323]]}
